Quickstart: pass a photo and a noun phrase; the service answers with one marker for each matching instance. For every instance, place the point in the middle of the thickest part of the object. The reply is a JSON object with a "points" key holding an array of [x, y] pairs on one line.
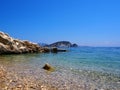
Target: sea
{"points": [[80, 68]]}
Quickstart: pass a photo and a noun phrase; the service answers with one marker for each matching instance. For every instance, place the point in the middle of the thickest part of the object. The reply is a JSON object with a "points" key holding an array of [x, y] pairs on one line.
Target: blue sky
{"points": [[86, 22]]}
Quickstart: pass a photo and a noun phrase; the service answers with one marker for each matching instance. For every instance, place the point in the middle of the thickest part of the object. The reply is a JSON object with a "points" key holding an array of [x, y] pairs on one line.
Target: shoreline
{"points": [[24, 81], [25, 72]]}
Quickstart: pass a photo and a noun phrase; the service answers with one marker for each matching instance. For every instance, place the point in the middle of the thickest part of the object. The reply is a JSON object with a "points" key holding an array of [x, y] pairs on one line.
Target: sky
{"points": [[85, 22]]}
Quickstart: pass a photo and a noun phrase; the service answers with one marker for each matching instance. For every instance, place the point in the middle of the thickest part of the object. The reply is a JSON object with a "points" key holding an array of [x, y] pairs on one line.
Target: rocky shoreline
{"points": [[9, 45], [9, 80]]}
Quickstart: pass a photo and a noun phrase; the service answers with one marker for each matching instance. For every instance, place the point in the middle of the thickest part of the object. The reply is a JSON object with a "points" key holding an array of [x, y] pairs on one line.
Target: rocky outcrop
{"points": [[9, 45], [62, 44]]}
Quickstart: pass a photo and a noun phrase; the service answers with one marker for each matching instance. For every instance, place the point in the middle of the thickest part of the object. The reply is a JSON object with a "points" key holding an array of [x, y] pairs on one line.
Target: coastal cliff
{"points": [[9, 45]]}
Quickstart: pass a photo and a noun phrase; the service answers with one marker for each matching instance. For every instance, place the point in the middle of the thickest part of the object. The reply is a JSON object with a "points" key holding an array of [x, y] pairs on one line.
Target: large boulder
{"points": [[48, 67]]}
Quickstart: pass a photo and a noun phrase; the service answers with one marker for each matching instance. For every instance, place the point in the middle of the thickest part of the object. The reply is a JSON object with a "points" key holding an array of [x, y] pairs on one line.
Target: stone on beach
{"points": [[48, 67]]}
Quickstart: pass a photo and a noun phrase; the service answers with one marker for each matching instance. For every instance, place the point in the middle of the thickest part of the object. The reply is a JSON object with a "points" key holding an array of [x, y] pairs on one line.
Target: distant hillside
{"points": [[62, 44]]}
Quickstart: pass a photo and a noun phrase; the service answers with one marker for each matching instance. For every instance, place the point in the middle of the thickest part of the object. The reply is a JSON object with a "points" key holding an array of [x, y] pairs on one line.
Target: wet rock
{"points": [[48, 67]]}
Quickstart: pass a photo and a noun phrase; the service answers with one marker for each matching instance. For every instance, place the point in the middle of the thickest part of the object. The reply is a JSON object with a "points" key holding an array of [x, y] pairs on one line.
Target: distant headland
{"points": [[60, 44]]}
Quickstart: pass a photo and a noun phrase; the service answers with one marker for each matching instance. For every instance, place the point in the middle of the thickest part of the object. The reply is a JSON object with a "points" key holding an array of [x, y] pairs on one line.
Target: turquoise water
{"points": [[84, 67]]}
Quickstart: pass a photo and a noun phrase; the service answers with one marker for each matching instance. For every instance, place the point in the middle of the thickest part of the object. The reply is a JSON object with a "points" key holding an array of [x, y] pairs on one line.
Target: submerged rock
{"points": [[48, 67]]}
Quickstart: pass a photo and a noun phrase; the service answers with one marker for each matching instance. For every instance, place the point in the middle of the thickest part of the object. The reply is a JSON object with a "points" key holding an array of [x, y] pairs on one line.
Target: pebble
{"points": [[19, 86]]}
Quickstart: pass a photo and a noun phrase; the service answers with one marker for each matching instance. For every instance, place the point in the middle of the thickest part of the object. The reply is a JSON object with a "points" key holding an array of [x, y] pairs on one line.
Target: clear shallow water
{"points": [[83, 68]]}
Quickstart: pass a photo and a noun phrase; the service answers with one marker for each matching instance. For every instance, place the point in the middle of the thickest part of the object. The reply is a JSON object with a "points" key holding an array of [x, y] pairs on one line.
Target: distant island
{"points": [[59, 44]]}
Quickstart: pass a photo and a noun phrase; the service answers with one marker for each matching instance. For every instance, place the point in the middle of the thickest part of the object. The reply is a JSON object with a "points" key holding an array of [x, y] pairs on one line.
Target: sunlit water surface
{"points": [[90, 67]]}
